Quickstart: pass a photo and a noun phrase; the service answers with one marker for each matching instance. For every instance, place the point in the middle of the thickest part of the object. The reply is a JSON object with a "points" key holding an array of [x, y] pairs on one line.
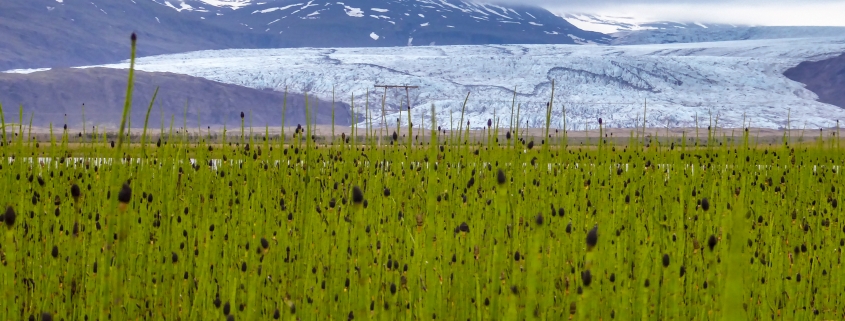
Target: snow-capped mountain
{"points": [[633, 31], [51, 33], [620, 24], [722, 33], [730, 81], [367, 23]]}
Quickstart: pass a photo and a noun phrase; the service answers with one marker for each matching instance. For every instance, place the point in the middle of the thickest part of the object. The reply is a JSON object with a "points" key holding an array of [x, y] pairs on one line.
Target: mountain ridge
{"points": [[50, 33], [633, 31]]}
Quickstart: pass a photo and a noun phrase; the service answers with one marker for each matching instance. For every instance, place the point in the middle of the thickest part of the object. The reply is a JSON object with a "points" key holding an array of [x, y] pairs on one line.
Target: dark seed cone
{"points": [[539, 219], [593, 237], [276, 314], [9, 217], [500, 177], [46, 316], [174, 257], [133, 37], [125, 194], [75, 191], [264, 243], [587, 278], [464, 227], [665, 260], [55, 252], [242, 115], [357, 195], [711, 242], [705, 204]]}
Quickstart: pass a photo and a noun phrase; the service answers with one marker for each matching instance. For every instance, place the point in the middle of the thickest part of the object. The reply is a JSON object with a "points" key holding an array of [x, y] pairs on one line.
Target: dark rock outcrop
{"points": [[826, 78]]}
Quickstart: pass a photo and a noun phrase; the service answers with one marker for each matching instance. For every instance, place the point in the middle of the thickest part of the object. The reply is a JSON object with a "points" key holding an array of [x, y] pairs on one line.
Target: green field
{"points": [[736, 231], [517, 228]]}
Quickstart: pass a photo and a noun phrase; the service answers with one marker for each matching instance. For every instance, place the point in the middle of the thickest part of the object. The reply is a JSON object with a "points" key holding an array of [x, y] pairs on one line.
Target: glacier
{"points": [[730, 84]]}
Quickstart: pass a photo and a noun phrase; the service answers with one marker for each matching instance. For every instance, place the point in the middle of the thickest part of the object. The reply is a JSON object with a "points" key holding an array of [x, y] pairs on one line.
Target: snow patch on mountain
{"points": [[182, 6], [233, 4], [268, 10], [353, 12], [309, 4], [605, 24]]}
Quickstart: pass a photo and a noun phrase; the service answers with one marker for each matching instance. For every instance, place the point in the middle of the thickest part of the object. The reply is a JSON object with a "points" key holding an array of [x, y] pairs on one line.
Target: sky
{"points": [[746, 12]]}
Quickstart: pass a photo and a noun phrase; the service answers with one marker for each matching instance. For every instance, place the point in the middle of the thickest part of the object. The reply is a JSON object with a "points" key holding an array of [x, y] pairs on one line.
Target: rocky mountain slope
{"points": [[51, 33], [56, 96], [826, 78]]}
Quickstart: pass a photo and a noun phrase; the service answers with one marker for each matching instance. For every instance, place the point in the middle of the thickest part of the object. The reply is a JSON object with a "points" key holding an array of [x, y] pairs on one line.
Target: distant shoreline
{"points": [[323, 134]]}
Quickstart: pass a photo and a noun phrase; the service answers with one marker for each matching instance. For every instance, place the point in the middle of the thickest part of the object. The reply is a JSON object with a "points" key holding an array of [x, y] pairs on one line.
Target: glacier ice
{"points": [[737, 83]]}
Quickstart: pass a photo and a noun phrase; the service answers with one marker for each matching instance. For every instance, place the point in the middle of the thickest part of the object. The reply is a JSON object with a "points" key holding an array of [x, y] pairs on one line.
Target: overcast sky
{"points": [[756, 12]]}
